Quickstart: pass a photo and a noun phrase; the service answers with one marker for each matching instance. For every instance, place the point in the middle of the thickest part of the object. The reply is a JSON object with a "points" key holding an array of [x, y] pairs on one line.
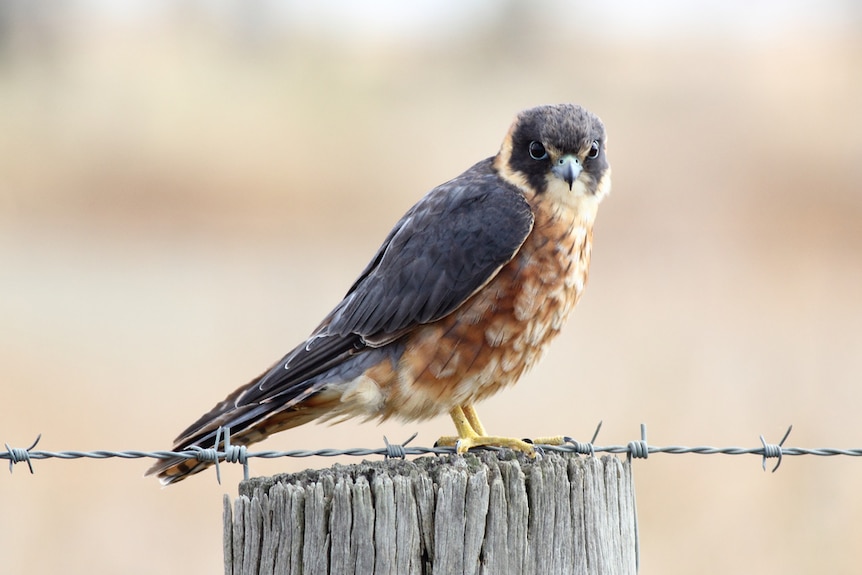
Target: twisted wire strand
{"points": [[223, 451]]}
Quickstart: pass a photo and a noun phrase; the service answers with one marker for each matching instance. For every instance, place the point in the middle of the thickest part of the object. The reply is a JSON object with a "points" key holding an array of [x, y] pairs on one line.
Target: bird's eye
{"points": [[594, 150], [537, 151]]}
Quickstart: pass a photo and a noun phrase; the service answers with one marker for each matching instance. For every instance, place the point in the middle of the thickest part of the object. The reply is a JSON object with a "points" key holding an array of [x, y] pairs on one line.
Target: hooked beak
{"points": [[568, 168]]}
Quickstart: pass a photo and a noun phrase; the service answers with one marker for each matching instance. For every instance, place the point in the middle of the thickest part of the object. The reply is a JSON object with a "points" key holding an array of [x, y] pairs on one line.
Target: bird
{"points": [[463, 296]]}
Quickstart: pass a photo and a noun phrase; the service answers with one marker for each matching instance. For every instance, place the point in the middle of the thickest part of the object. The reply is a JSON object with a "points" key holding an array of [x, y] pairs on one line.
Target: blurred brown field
{"points": [[185, 192]]}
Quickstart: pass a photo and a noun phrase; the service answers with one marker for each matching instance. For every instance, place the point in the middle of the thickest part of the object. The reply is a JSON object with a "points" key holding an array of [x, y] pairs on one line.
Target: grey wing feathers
{"points": [[441, 252]]}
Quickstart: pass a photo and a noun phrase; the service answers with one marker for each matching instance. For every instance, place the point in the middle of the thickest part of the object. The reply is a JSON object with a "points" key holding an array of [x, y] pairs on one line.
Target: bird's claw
{"points": [[464, 444]]}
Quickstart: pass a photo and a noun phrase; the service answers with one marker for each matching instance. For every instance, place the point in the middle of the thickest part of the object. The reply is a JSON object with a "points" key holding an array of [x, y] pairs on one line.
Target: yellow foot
{"points": [[553, 440], [471, 433], [462, 444]]}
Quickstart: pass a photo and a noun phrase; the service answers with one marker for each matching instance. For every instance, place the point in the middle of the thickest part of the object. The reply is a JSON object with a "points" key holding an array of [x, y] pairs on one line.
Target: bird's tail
{"points": [[175, 469], [208, 432], [292, 392], [247, 423]]}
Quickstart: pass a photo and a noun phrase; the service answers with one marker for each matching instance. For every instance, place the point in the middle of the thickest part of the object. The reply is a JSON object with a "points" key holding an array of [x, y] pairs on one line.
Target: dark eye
{"points": [[537, 151], [594, 150]]}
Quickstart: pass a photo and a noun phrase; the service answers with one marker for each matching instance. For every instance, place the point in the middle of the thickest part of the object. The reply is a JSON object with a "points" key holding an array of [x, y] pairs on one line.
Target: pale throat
{"points": [[576, 206], [573, 207]]}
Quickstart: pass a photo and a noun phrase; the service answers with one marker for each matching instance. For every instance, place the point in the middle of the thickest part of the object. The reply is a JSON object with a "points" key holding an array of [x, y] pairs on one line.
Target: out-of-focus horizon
{"points": [[186, 188]]}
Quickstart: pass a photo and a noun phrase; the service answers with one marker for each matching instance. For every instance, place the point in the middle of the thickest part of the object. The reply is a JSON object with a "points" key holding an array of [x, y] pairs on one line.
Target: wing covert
{"points": [[444, 249]]}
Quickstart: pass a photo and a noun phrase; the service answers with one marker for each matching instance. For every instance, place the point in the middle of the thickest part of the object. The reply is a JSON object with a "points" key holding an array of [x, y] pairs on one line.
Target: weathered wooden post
{"points": [[486, 513]]}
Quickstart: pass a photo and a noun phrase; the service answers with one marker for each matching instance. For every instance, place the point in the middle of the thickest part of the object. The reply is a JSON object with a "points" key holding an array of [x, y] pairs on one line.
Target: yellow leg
{"points": [[466, 423], [462, 423], [473, 418]]}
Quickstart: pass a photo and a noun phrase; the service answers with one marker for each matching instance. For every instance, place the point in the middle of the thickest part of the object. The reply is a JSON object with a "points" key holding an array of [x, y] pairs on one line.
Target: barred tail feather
{"points": [[247, 424]]}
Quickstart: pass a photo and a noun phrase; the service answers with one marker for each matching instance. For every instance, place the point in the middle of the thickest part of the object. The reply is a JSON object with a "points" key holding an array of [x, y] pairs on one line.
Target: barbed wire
{"points": [[223, 451]]}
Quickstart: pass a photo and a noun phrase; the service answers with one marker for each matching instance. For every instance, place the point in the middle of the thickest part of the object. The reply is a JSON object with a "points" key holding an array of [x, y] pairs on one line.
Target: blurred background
{"points": [[186, 188]]}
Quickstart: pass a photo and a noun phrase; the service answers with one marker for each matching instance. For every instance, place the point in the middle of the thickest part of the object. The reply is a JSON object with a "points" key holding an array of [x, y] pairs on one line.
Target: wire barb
{"points": [[772, 450], [219, 431], [17, 455], [639, 449], [395, 450], [585, 448], [234, 453]]}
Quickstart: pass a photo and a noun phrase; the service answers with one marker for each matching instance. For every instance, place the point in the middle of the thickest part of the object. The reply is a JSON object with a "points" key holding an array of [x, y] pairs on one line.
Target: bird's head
{"points": [[557, 151]]}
